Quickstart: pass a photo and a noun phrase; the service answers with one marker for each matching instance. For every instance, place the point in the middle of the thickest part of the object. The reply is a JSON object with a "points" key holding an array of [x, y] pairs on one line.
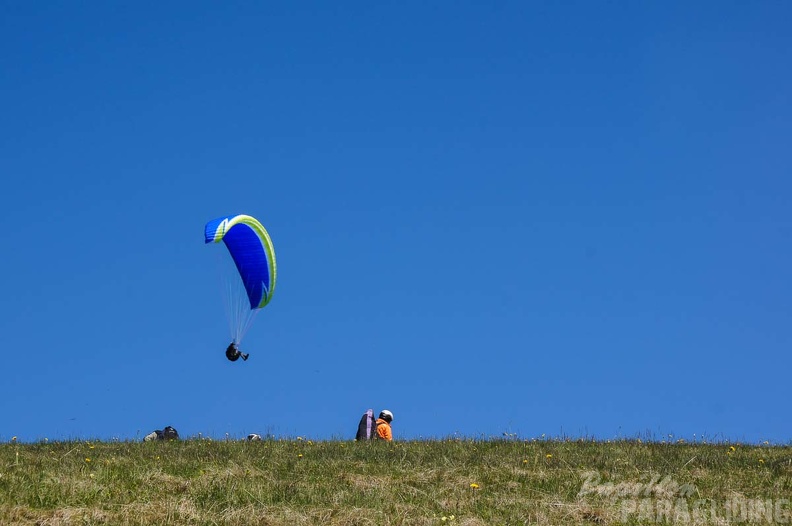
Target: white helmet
{"points": [[386, 415]]}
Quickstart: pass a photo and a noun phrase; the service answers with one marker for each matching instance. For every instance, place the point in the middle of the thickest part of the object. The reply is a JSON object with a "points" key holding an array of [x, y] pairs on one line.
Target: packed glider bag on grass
{"points": [[247, 276]]}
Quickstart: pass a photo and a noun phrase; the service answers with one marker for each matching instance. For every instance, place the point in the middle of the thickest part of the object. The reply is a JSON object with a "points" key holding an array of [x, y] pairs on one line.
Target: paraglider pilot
{"points": [[233, 353]]}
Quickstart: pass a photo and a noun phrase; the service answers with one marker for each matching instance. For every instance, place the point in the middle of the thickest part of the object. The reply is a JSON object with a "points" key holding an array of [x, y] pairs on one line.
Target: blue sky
{"points": [[561, 218]]}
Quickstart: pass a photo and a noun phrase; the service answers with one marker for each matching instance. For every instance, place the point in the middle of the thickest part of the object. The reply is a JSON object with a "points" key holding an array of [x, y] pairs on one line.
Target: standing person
{"points": [[384, 425]]}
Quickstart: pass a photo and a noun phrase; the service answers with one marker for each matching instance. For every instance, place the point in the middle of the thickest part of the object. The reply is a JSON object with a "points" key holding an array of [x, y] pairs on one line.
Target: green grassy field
{"points": [[440, 482]]}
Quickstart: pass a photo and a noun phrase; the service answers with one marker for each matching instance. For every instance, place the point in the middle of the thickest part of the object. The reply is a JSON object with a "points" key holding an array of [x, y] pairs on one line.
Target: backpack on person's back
{"points": [[367, 427]]}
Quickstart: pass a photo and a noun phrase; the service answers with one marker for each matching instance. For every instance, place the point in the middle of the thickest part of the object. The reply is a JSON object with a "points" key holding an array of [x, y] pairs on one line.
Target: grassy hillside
{"points": [[444, 482]]}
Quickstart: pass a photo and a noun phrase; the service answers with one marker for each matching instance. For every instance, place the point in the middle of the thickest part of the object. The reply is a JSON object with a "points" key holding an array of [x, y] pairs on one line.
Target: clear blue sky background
{"points": [[524, 217]]}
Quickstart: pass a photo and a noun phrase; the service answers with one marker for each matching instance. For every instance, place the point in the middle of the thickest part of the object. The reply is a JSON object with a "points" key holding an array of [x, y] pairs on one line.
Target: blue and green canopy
{"points": [[251, 248]]}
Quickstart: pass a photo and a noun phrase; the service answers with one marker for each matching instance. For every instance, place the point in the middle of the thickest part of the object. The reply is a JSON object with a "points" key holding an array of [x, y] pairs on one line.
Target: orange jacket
{"points": [[384, 430]]}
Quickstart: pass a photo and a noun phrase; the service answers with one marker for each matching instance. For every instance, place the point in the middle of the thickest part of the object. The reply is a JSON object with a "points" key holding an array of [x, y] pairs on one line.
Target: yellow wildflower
{"points": [[87, 459], [548, 456], [474, 486]]}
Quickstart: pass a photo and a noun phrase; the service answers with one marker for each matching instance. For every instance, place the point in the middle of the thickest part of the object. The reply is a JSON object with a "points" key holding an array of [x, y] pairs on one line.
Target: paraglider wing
{"points": [[251, 248]]}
